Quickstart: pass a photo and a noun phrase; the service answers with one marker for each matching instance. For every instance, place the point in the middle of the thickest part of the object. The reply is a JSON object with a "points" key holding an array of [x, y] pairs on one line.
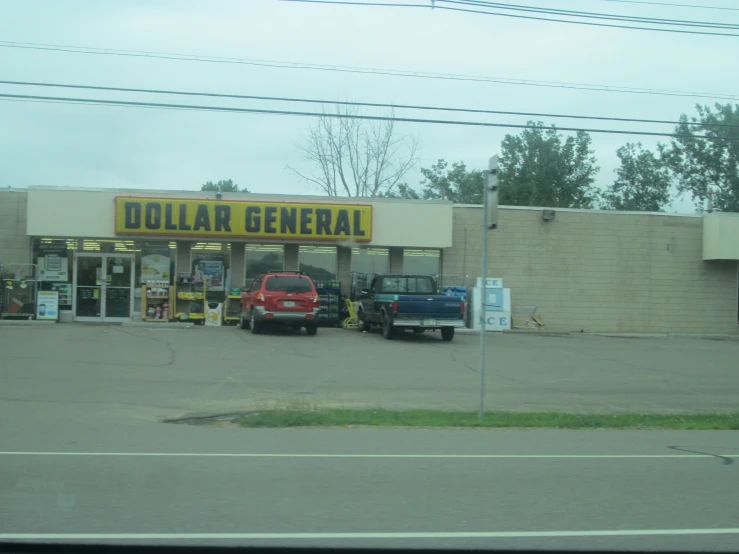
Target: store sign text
{"points": [[216, 218]]}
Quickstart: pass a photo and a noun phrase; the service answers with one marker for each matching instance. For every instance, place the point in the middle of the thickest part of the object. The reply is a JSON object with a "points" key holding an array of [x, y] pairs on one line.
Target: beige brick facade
{"points": [[602, 271], [15, 246], [586, 270]]}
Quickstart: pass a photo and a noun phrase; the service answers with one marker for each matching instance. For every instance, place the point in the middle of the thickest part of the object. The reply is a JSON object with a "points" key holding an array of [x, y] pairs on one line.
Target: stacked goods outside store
{"points": [[232, 307], [158, 298], [190, 300], [329, 293]]}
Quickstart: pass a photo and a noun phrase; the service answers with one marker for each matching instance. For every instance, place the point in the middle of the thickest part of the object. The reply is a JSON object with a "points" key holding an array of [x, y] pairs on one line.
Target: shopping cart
{"points": [[526, 317], [351, 322]]}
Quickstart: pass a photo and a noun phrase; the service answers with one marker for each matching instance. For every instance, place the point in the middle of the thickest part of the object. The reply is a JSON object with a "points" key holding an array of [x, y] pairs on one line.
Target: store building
{"points": [[586, 270]]}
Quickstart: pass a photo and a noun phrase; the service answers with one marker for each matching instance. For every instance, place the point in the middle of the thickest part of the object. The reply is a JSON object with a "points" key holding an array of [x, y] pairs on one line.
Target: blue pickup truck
{"points": [[399, 302]]}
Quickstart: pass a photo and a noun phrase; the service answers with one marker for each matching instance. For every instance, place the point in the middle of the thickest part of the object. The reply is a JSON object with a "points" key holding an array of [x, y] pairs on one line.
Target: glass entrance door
{"points": [[103, 285], [88, 287], [118, 285]]}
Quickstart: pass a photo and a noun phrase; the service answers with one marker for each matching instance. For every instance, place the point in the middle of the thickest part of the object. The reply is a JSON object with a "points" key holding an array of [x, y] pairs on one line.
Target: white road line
{"points": [[331, 536], [411, 456]]}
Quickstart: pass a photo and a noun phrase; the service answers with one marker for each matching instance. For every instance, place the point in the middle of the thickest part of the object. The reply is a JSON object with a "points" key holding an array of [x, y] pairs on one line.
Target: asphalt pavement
{"points": [[84, 455]]}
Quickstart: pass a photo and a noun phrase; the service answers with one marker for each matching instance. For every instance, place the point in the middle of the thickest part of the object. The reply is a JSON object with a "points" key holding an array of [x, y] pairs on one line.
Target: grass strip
{"points": [[433, 418]]}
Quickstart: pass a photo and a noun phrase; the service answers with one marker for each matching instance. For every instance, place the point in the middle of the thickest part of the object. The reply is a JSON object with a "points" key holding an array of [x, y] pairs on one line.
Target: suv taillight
{"points": [[316, 300], [260, 297]]}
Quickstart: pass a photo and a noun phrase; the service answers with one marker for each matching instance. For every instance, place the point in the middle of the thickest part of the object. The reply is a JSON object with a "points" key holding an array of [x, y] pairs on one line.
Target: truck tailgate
{"points": [[437, 307]]}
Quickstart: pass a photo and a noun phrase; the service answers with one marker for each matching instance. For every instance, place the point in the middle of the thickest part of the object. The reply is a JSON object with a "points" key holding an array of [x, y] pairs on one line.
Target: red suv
{"points": [[282, 297]]}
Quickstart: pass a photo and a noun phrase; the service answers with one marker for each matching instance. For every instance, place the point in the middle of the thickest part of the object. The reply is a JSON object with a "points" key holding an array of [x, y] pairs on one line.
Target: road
{"points": [[364, 487], [83, 450]]}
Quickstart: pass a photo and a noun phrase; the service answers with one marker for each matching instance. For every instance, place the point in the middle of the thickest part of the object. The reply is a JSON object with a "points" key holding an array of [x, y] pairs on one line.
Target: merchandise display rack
{"points": [[232, 309], [159, 301], [329, 293], [191, 301]]}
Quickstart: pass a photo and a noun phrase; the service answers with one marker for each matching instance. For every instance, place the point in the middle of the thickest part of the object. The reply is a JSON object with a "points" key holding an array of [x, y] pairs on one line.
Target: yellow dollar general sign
{"points": [[239, 219]]}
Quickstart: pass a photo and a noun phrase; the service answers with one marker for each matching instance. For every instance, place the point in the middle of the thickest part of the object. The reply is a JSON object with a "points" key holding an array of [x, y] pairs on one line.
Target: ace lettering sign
{"points": [[257, 220]]}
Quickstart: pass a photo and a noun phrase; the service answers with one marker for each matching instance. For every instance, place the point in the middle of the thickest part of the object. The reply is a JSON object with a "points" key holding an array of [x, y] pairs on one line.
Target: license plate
{"points": [[429, 322], [289, 304]]}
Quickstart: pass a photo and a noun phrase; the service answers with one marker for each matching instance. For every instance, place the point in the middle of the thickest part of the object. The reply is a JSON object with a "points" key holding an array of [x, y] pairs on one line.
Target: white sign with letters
{"points": [[498, 321], [492, 282]]}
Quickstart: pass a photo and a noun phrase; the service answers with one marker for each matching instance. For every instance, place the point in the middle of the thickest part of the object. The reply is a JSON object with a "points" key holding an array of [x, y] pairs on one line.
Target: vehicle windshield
{"points": [[409, 285], [293, 283]]}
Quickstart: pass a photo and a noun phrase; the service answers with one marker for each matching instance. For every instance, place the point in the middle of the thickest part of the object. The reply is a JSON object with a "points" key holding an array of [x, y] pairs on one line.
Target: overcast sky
{"points": [[93, 146]]}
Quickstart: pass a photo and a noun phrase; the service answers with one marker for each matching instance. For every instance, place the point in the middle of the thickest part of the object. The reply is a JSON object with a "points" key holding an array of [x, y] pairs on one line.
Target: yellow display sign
{"points": [[242, 219]]}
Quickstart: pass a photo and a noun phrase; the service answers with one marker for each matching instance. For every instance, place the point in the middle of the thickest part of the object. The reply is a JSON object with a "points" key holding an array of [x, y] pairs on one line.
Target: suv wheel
{"points": [[243, 322], [387, 327], [311, 329], [256, 326]]}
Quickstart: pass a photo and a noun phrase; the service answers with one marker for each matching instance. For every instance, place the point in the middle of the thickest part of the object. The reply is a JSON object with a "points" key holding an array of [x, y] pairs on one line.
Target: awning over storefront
{"points": [[721, 236], [238, 217]]}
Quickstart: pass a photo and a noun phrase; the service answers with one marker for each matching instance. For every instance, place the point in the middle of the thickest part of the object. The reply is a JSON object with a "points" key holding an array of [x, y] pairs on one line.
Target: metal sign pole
{"points": [[489, 221], [483, 289]]}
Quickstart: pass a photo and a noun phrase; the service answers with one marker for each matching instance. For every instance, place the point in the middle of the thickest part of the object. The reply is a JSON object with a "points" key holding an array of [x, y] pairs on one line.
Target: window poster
{"points": [[47, 306], [211, 270], [155, 263]]}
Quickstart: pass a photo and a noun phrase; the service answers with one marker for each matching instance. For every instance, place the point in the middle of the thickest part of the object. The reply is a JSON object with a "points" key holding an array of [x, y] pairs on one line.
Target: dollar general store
{"points": [[585, 270]]}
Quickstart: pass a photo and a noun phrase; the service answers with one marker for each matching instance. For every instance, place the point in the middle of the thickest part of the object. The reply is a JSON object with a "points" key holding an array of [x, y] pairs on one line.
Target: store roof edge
{"points": [[231, 195], [580, 210]]}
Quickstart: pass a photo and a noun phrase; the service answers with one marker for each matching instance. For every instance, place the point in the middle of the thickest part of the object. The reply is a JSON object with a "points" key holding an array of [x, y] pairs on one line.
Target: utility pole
{"points": [[489, 221]]}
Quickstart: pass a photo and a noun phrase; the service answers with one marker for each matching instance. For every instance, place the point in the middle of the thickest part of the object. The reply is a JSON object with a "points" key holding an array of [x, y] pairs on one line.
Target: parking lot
{"points": [[157, 373]]}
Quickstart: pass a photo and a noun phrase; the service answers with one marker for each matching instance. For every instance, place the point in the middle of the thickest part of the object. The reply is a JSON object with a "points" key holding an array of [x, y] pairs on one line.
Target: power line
{"points": [[363, 70], [353, 103], [228, 109], [518, 16], [675, 5], [594, 15]]}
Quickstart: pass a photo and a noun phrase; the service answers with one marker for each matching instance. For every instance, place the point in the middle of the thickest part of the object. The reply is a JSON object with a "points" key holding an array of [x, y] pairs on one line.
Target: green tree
{"points": [[403, 190], [705, 156], [223, 186], [540, 167], [455, 184], [642, 182]]}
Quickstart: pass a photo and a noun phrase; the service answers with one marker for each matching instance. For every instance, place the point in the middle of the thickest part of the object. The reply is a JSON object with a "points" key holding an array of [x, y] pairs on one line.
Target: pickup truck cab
{"points": [[397, 302]]}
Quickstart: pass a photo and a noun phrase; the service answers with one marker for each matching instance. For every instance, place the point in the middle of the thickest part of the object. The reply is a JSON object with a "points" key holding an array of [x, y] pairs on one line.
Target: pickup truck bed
{"points": [[398, 302]]}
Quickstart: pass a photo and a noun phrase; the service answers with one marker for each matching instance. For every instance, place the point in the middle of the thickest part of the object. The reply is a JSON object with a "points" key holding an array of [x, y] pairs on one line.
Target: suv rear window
{"points": [[293, 283]]}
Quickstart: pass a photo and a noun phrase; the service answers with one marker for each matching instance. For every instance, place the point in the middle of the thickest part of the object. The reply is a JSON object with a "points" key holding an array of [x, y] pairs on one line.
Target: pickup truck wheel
{"points": [[387, 327], [363, 325], [447, 333]]}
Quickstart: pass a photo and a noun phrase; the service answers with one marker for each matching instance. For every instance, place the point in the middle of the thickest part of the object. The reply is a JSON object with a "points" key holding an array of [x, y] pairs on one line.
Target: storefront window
{"points": [[53, 259], [421, 262], [318, 262], [370, 260], [155, 262], [260, 258]]}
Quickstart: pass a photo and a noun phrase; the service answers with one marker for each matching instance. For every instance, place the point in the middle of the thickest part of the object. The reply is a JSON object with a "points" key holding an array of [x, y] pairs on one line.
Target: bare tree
{"points": [[355, 157]]}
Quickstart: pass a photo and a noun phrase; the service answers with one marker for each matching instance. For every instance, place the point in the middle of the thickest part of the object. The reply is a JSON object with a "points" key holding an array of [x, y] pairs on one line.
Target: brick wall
{"points": [[602, 271], [15, 246]]}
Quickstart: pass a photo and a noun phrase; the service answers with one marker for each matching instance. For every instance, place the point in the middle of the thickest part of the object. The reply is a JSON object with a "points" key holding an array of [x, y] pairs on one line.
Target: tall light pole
{"points": [[489, 221]]}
